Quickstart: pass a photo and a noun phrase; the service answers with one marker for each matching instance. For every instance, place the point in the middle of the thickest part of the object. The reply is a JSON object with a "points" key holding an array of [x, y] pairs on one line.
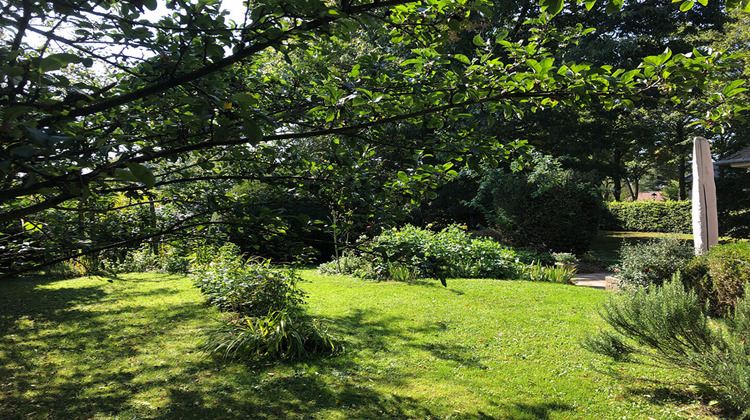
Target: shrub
{"points": [[267, 320], [413, 252], [729, 271], [670, 324], [173, 260], [547, 208], [248, 288], [347, 264], [649, 216], [651, 263]]}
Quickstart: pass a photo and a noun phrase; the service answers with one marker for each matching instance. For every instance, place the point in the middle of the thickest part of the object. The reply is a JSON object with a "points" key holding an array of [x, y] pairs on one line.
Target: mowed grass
{"points": [[129, 347]]}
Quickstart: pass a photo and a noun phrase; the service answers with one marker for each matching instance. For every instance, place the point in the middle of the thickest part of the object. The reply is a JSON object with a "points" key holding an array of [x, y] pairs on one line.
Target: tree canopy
{"points": [[362, 104]]}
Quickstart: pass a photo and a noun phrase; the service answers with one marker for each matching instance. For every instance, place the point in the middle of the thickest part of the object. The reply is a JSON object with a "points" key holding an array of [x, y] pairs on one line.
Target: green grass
{"points": [[128, 347]]}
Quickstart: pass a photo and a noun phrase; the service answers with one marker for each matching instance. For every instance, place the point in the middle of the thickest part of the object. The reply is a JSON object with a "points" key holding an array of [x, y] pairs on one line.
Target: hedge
{"points": [[649, 216]]}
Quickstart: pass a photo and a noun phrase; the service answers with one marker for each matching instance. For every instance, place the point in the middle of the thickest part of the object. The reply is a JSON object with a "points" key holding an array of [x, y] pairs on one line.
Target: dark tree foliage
{"points": [[104, 111]]}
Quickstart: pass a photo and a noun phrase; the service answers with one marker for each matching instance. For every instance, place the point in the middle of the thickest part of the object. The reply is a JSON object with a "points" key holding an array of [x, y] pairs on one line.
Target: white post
{"points": [[705, 217]]}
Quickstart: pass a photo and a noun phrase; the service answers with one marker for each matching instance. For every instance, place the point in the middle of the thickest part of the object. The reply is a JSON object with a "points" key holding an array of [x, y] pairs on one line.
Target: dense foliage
{"points": [[719, 277], [411, 252], [547, 207], [651, 263], [362, 106], [265, 319], [649, 216], [671, 325]]}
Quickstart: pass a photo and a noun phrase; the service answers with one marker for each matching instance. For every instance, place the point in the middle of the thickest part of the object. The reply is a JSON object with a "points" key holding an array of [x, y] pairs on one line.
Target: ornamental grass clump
{"points": [[264, 315]]}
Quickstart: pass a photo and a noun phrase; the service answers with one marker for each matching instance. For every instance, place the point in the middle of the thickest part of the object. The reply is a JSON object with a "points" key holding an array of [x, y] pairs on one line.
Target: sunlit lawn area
{"points": [[129, 347]]}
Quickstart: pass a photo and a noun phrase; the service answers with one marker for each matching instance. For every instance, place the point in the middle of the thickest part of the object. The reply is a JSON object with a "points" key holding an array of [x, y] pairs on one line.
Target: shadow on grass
{"points": [[112, 369]]}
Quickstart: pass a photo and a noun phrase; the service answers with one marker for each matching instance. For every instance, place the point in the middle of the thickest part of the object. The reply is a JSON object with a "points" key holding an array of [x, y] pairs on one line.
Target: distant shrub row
{"points": [[648, 216]]}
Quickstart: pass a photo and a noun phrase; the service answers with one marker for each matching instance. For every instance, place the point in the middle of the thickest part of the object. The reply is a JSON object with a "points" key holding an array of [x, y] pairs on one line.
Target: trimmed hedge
{"points": [[649, 216]]}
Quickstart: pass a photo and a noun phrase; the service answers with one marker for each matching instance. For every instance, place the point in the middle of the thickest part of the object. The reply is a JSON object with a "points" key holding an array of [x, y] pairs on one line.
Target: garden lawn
{"points": [[129, 347]]}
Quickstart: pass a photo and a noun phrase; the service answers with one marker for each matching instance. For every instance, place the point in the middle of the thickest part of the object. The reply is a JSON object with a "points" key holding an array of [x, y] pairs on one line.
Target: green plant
{"points": [[538, 272], [411, 252], [669, 323], [280, 335], [248, 288], [565, 258], [67, 269], [547, 207], [347, 264], [649, 216], [173, 260], [729, 271], [653, 262]]}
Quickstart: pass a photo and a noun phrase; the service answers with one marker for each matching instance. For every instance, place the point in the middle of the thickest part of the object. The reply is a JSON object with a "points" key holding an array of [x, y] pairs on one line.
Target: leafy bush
{"points": [[651, 263], [282, 335], [729, 271], [649, 216], [251, 289], [168, 258], [347, 264], [267, 320], [67, 269], [412, 252], [173, 260], [670, 324], [547, 208]]}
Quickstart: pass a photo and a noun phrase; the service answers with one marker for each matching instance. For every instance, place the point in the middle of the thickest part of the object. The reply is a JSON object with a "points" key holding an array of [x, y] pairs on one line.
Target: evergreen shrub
{"points": [[649, 216], [670, 324], [729, 271], [546, 208]]}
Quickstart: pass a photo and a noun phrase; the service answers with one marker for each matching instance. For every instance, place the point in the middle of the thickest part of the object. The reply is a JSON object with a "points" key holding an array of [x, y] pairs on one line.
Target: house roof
{"points": [[740, 159]]}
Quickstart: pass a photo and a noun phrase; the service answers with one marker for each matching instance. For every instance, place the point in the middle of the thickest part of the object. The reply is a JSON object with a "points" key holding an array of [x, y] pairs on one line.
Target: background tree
{"points": [[198, 104]]}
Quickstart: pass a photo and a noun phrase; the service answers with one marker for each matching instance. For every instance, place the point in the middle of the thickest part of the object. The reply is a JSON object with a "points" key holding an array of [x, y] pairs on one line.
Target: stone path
{"points": [[595, 280]]}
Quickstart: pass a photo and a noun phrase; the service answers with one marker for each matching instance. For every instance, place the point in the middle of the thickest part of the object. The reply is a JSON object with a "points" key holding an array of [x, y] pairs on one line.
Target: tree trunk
{"points": [[682, 161], [681, 173], [616, 179]]}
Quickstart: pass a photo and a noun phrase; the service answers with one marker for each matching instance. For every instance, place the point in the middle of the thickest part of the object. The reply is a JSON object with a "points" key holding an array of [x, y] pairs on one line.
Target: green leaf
{"points": [[462, 58], [24, 151], [590, 4], [552, 7], [124, 175], [478, 41], [732, 86], [686, 5], [31, 227], [57, 61], [402, 176], [142, 174], [613, 6], [252, 131]]}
